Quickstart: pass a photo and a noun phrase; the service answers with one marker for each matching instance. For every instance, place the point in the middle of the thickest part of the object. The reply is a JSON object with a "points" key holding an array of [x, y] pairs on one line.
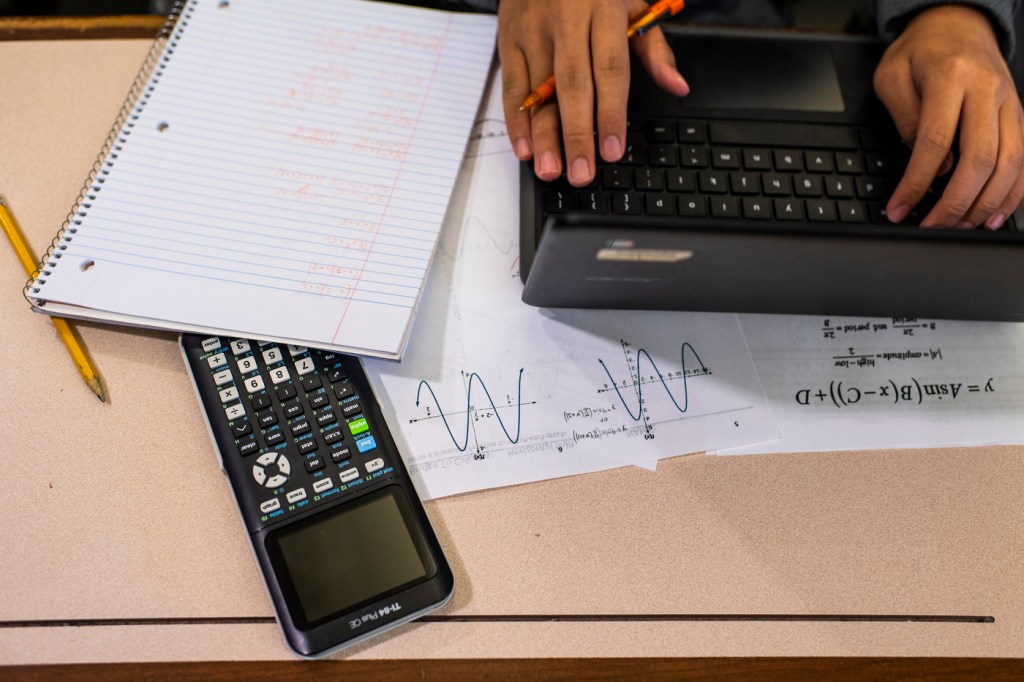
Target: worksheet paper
{"points": [[492, 392], [284, 175], [841, 383]]}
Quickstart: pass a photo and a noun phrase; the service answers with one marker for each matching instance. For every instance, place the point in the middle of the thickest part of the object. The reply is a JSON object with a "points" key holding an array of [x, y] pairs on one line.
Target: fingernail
{"points": [[897, 214], [965, 225], [611, 148], [523, 150], [548, 166], [996, 221], [684, 86], [579, 174]]}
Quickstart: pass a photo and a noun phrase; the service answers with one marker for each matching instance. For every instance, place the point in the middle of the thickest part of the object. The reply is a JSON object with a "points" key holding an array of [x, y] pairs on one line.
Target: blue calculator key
{"points": [[366, 444]]}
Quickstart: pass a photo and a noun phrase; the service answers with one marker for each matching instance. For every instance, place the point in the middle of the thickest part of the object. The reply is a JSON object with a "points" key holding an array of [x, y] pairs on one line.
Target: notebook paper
{"points": [[284, 175]]}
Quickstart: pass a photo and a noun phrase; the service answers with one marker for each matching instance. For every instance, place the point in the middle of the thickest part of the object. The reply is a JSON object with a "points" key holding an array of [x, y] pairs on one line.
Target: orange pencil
{"points": [[638, 25]]}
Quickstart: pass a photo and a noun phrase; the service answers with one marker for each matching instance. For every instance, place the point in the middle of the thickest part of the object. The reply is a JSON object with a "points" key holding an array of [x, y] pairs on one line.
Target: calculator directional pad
{"points": [[271, 470]]}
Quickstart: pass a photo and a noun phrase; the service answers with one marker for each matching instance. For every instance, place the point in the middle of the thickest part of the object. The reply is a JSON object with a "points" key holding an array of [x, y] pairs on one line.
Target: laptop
{"points": [[762, 191]]}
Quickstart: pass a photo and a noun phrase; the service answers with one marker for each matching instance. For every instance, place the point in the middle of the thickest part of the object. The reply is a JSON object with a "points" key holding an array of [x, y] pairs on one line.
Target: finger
{"points": [[611, 78], [1012, 201], [544, 126], [515, 86], [575, 102], [940, 112], [660, 61], [1007, 168], [895, 87], [979, 148]]}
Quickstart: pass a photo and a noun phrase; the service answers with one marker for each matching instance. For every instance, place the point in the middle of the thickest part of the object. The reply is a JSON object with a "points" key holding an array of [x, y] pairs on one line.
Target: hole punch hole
{"points": [[87, 265], [162, 126]]}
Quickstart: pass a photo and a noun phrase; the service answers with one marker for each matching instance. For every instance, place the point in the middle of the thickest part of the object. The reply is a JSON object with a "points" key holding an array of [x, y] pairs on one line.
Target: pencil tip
{"points": [[97, 388], [522, 108]]}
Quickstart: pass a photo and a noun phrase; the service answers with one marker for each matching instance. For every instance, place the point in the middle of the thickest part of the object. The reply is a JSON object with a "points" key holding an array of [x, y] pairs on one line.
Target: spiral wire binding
{"points": [[142, 88]]}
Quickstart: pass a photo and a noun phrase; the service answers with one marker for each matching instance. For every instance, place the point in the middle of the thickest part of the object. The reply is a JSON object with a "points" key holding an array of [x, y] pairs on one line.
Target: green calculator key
{"points": [[357, 426]]}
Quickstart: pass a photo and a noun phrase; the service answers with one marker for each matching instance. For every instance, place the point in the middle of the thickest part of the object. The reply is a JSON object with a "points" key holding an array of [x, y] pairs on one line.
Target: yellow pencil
{"points": [[68, 335]]}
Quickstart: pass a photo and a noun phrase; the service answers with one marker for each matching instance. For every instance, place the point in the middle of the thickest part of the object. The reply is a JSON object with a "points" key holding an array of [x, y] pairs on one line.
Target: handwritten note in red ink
{"points": [[283, 175]]}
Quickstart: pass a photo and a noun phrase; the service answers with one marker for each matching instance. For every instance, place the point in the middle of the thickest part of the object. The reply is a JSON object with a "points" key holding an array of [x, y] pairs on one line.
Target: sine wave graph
{"points": [[637, 382], [472, 413]]}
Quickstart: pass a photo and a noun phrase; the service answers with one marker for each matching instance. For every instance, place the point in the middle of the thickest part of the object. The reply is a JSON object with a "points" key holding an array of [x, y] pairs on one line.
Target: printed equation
{"points": [[846, 394], [854, 359], [904, 326]]}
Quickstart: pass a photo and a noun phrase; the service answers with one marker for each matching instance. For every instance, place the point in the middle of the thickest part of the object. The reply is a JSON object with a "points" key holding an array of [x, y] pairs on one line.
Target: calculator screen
{"points": [[351, 555]]}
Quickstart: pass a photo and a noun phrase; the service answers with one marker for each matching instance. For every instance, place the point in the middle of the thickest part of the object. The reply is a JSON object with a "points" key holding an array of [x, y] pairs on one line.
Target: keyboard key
{"points": [[788, 209], [649, 179], [808, 186], [557, 201], [691, 206], [882, 164], [680, 181], [659, 131], [868, 188], [661, 155], [725, 159], [757, 208], [818, 162], [690, 132], [849, 163], [615, 178], [851, 212], [659, 204], [838, 187], [788, 160], [713, 182], [633, 155], [591, 202], [623, 203], [744, 183], [725, 207], [693, 157], [756, 159], [776, 184], [821, 211]]}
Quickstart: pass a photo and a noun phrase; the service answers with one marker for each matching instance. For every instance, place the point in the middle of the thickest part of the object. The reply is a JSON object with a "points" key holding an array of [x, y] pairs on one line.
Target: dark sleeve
{"points": [[471, 5], [894, 14]]}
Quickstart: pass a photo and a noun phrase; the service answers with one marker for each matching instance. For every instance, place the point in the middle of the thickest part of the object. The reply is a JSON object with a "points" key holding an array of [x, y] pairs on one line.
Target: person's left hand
{"points": [[946, 70]]}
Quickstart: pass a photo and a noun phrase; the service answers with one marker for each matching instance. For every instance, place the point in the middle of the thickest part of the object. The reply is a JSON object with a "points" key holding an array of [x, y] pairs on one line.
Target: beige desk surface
{"points": [[119, 540]]}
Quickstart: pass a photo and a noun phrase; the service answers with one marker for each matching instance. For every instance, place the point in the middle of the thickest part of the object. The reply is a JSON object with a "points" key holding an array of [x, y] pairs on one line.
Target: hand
{"points": [[583, 43], [945, 69]]}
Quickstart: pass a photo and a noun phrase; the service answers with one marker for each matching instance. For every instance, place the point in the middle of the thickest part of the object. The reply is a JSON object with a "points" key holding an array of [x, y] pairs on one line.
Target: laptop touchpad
{"points": [[759, 74]]}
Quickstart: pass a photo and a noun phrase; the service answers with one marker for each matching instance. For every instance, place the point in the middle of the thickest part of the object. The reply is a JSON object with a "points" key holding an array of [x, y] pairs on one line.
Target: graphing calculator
{"points": [[339, 533]]}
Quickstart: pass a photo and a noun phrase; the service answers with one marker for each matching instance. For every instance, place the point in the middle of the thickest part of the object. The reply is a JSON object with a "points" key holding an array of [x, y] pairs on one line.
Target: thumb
{"points": [[658, 59]]}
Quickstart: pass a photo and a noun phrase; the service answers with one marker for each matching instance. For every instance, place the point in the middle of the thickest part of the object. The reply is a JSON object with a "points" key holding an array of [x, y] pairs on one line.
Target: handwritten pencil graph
{"points": [[472, 414]]}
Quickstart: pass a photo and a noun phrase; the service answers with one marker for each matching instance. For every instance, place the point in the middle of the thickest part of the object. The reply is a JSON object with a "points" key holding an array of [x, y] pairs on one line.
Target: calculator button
{"points": [[344, 390], [296, 496], [340, 454], [300, 427], [254, 384], [267, 419], [322, 485], [276, 481], [332, 433], [275, 437], [293, 409], [307, 446], [241, 428], [328, 358], [272, 355], [336, 375], [283, 465], [325, 416], [235, 411], [374, 465], [366, 444], [314, 464], [357, 426], [304, 366], [223, 377], [279, 374], [296, 350], [285, 392], [319, 400], [248, 447], [246, 365], [229, 394], [349, 475], [259, 473], [351, 409], [270, 506], [217, 360], [311, 383], [261, 401], [239, 346], [267, 458], [211, 344]]}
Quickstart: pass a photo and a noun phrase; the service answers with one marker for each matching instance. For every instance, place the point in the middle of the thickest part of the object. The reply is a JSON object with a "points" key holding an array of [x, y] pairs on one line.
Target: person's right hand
{"points": [[583, 43]]}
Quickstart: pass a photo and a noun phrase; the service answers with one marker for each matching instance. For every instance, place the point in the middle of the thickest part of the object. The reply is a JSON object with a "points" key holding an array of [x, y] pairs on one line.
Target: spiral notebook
{"points": [[280, 170]]}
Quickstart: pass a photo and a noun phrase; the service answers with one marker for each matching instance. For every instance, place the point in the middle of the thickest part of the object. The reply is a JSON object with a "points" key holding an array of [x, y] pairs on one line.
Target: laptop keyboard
{"points": [[748, 171]]}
